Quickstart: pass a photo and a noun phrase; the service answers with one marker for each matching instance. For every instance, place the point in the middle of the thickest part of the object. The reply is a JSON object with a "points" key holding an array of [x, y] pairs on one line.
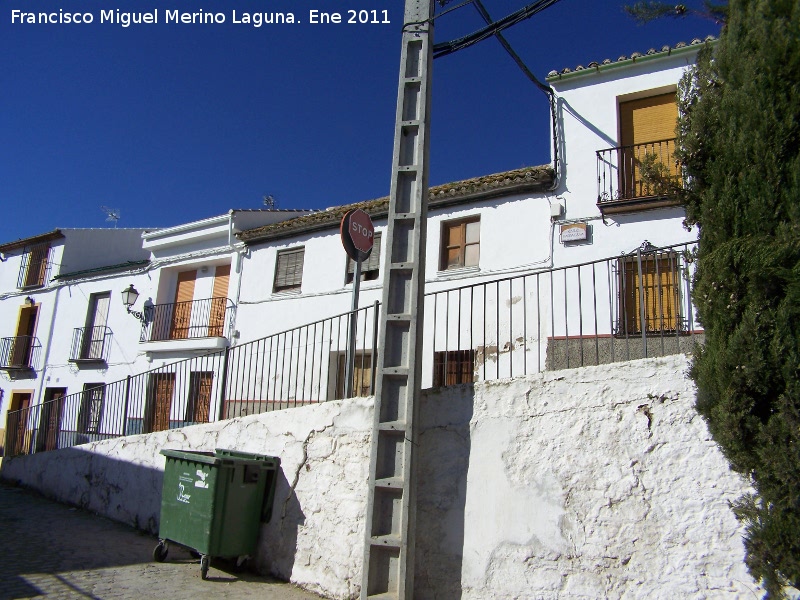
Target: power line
{"points": [[445, 48]]}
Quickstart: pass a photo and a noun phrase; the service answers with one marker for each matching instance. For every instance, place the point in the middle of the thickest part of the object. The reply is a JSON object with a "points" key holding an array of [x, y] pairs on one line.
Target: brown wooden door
{"points": [[26, 330], [37, 266], [182, 311], [162, 400], [18, 422], [199, 404], [219, 301], [51, 418]]}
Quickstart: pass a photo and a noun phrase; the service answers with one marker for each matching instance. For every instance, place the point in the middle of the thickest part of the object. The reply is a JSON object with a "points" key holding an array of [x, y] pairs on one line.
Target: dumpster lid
{"points": [[222, 456]]}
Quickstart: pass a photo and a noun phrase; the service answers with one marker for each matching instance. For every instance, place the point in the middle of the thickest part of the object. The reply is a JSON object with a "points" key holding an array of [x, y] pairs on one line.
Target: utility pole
{"points": [[388, 570]]}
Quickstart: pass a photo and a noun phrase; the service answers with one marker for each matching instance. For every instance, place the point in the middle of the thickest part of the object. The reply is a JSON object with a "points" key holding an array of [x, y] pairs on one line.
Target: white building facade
{"points": [[581, 262]]}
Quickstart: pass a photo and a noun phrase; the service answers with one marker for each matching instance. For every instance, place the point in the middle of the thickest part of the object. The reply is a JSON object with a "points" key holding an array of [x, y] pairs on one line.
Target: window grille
{"points": [[453, 367]]}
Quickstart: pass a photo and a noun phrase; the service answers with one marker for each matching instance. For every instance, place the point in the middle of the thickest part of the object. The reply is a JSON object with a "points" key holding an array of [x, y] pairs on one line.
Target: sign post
{"points": [[358, 234]]}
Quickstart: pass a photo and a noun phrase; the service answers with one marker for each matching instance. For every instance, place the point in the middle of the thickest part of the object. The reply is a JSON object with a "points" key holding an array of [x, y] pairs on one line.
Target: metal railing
{"points": [[303, 365], [34, 271], [632, 306], [638, 171], [211, 317], [299, 366], [22, 352], [90, 344]]}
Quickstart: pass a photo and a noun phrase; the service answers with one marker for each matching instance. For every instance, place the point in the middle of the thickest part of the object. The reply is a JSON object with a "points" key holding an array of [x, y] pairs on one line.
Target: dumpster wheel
{"points": [[160, 551], [204, 560]]}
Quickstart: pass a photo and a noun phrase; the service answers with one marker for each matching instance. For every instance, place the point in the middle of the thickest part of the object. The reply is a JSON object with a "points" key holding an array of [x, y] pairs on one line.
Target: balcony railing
{"points": [[635, 305], [90, 344], [34, 271], [211, 317], [636, 172], [20, 353]]}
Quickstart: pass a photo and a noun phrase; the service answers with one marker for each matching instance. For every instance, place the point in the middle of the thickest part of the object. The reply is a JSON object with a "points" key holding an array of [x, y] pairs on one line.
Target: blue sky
{"points": [[177, 122]]}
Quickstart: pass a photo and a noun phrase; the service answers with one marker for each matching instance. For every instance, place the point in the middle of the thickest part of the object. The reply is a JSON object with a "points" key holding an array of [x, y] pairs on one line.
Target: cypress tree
{"points": [[739, 139]]}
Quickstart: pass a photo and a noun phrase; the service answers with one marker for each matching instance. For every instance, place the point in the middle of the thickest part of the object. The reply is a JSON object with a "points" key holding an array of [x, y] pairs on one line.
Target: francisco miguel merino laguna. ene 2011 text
{"points": [[200, 17]]}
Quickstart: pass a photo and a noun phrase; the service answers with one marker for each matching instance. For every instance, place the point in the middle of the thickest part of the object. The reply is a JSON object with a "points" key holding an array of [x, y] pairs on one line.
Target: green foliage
{"points": [[650, 10], [739, 141]]}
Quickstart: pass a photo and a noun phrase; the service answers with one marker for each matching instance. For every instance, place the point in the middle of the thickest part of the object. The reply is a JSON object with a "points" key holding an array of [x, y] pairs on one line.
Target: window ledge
{"points": [[97, 363], [457, 273], [184, 344], [286, 293]]}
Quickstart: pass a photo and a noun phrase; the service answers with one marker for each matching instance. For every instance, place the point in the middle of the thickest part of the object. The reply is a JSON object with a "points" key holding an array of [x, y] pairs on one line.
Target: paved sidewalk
{"points": [[48, 550]]}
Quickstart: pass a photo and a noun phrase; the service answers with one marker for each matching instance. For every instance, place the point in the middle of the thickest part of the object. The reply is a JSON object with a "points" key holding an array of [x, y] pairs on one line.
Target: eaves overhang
{"points": [[626, 61], [31, 241], [126, 266], [527, 180]]}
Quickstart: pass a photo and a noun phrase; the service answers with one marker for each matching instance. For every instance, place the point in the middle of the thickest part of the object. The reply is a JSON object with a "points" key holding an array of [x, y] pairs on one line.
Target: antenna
{"points": [[270, 202], [112, 214]]}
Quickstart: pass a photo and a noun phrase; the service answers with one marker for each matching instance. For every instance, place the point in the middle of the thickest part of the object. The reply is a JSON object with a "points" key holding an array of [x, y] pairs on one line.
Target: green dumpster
{"points": [[213, 502]]}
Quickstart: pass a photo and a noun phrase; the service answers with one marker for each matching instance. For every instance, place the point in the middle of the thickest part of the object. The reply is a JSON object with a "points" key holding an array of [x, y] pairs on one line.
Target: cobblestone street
{"points": [[54, 551]]}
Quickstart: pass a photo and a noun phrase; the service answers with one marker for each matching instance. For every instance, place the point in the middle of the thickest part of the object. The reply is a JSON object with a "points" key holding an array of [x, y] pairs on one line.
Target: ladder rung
{"points": [[392, 426], [385, 541], [399, 317], [394, 483]]}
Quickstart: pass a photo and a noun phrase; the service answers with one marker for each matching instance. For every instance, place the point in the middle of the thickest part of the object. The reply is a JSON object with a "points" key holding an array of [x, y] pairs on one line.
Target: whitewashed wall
{"points": [[588, 115], [514, 236], [315, 537], [600, 482]]}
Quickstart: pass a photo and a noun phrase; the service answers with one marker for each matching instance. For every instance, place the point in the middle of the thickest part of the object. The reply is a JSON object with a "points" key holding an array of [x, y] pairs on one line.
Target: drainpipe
{"points": [[46, 357]]}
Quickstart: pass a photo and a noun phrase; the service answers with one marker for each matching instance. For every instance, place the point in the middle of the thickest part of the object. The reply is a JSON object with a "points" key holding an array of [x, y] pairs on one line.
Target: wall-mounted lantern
{"points": [[129, 296]]}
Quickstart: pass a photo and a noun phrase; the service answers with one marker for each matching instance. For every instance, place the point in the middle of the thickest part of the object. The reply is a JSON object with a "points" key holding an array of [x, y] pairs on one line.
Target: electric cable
{"points": [[445, 48]]}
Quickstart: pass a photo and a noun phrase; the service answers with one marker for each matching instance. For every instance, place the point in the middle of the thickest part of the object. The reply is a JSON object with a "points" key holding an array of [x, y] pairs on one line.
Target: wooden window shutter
{"points": [[182, 311], [219, 301], [648, 119], [222, 276], [289, 270]]}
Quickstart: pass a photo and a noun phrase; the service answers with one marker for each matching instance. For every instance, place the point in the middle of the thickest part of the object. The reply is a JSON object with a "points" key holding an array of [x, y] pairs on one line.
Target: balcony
{"points": [[20, 353], [205, 324], [639, 177], [90, 345], [35, 268]]}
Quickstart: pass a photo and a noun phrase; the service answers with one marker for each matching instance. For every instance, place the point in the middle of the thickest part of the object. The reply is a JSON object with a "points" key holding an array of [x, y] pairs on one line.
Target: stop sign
{"points": [[358, 234]]}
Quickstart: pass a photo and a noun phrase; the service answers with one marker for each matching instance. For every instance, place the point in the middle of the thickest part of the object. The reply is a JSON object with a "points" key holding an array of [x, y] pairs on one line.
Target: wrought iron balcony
{"points": [[90, 344], [34, 271], [20, 353], [210, 317], [639, 176]]}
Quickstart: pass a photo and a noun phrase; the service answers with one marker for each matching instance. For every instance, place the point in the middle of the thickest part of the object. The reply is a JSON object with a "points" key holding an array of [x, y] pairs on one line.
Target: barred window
{"points": [[453, 367], [289, 270], [369, 268], [650, 292]]}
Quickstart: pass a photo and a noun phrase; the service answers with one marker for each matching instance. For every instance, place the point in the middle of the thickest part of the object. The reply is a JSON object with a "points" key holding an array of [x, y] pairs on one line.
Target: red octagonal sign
{"points": [[358, 234]]}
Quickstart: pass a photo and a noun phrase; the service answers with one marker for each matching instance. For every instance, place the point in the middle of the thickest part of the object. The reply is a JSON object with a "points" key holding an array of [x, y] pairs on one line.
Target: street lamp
{"points": [[129, 296]]}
